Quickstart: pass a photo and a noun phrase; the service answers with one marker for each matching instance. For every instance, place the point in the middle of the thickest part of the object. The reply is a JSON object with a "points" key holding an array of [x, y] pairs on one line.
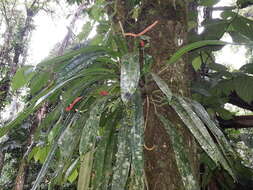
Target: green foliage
{"points": [[175, 57], [208, 2], [98, 141], [130, 75], [182, 160], [22, 76]]}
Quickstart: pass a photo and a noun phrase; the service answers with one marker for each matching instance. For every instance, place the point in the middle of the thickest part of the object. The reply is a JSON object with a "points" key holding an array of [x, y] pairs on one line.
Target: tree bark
{"points": [[165, 39], [2, 157]]}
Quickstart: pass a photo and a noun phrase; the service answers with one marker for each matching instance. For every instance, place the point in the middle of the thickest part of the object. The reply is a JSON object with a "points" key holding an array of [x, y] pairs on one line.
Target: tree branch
{"points": [[225, 8], [238, 122], [237, 101]]}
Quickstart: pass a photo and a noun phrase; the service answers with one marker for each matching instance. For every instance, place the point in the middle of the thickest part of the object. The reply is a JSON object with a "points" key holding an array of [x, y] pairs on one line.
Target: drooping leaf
{"points": [[77, 64], [39, 81], [24, 114], [69, 55], [162, 85], [218, 134], [85, 172], [123, 156], [67, 144], [183, 163], [90, 130], [130, 74], [51, 153], [103, 156], [176, 56], [54, 89], [201, 134], [136, 142]]}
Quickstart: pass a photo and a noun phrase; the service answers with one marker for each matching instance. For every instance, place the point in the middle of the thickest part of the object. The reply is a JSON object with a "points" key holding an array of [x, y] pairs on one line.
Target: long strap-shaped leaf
{"points": [[176, 56], [52, 151], [199, 131], [136, 142], [130, 75], [181, 156], [123, 156], [163, 86], [73, 53], [220, 137], [90, 130], [77, 65], [86, 162], [104, 154]]}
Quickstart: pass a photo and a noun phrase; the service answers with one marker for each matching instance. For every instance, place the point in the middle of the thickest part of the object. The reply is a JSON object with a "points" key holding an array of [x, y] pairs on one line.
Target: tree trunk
{"points": [[165, 39], [20, 179], [2, 157]]}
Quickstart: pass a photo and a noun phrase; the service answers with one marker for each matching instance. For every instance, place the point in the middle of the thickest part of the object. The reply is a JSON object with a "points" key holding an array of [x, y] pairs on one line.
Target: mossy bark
{"points": [[165, 39]]}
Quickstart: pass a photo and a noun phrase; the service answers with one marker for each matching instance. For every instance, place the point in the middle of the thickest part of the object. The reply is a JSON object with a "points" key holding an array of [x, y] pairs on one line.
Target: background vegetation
{"points": [[141, 105]]}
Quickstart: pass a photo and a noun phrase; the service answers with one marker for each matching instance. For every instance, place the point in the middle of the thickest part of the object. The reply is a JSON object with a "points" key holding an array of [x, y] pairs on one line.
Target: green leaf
{"points": [[69, 55], [214, 29], [73, 176], [199, 131], [103, 156], [41, 154], [136, 142], [51, 153], [176, 56], [196, 63], [90, 130], [248, 68], [123, 155], [54, 89], [22, 76], [244, 91], [181, 156], [208, 3], [130, 75], [86, 29], [217, 133], [39, 81], [69, 139], [72, 173], [242, 25], [78, 64], [163, 86], [85, 172]]}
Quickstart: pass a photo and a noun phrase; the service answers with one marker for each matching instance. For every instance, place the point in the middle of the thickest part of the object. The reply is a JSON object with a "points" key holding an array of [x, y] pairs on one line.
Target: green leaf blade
{"points": [[130, 75]]}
